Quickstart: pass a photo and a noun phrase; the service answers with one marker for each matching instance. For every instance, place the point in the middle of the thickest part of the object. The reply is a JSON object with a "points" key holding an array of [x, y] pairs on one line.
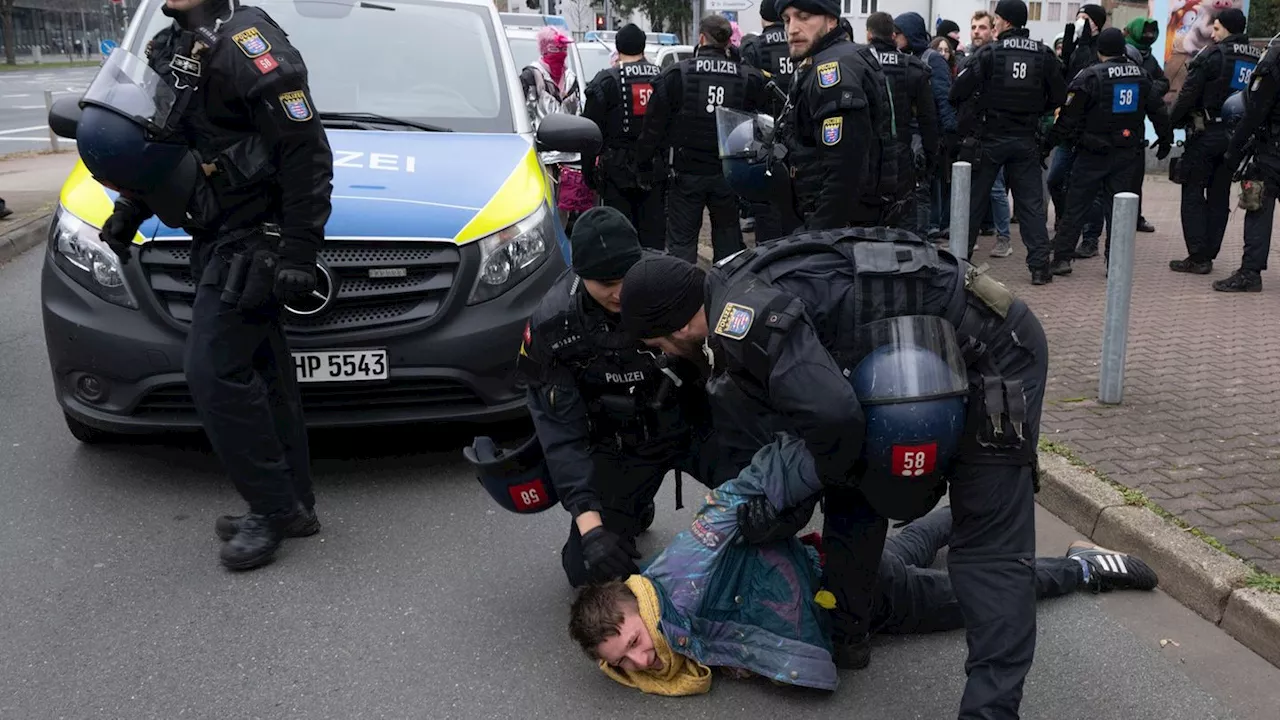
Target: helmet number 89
{"points": [[715, 97], [1019, 71]]}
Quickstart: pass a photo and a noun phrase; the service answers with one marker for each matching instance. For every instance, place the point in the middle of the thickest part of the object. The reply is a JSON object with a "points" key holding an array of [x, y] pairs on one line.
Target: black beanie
{"points": [[769, 11], [604, 245], [1232, 20], [660, 294], [817, 7], [946, 27], [1111, 42], [1014, 12], [630, 40], [1096, 13]]}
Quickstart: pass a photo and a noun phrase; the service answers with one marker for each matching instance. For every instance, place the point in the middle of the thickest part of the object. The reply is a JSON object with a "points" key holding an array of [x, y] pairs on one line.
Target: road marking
{"points": [[25, 129], [25, 139], [27, 107], [18, 95]]}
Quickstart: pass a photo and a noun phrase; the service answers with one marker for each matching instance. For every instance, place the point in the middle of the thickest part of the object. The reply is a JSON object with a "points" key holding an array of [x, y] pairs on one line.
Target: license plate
{"points": [[340, 365]]}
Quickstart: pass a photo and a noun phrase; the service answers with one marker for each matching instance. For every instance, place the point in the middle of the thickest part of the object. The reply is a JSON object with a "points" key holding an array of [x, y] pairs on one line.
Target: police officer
{"points": [[838, 124], [1105, 118], [1217, 71], [783, 348], [682, 115], [1258, 133], [1019, 80], [610, 418], [244, 107], [770, 54], [913, 110], [617, 100]]}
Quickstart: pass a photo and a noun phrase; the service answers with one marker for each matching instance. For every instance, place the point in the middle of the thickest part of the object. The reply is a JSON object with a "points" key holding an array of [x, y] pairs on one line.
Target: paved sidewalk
{"points": [[30, 184]]}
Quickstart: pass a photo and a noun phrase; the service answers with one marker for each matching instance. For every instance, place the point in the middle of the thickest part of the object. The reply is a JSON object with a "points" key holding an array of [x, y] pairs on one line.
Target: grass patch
{"points": [[1257, 579], [48, 65]]}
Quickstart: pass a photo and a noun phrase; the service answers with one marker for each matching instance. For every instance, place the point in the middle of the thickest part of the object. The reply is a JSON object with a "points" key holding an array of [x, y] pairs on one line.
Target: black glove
{"points": [[118, 231], [294, 279], [1162, 151], [608, 556], [759, 522]]}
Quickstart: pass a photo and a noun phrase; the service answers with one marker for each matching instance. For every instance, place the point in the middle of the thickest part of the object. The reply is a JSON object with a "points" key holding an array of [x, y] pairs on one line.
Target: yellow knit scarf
{"points": [[679, 675]]}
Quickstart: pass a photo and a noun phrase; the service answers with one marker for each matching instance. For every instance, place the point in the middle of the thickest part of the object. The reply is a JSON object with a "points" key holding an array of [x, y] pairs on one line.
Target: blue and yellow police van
{"points": [[442, 240]]}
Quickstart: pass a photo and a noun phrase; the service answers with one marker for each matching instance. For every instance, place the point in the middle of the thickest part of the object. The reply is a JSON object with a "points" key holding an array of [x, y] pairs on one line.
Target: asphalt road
{"points": [[24, 120], [421, 600]]}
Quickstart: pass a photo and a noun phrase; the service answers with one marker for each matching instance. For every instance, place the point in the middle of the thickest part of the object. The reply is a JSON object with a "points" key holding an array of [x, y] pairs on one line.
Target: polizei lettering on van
{"points": [[374, 161]]}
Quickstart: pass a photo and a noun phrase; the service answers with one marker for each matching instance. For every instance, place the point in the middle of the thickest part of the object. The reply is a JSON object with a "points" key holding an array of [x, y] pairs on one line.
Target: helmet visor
{"points": [[739, 134], [913, 357], [127, 85]]}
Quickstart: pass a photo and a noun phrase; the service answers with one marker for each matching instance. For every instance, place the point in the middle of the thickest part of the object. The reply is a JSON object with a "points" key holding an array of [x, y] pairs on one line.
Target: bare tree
{"points": [[6, 14], [581, 14]]}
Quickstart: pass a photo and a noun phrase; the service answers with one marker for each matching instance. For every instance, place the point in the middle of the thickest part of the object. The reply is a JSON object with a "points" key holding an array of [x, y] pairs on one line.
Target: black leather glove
{"points": [[759, 522], [1162, 151], [295, 278], [608, 556], [118, 231]]}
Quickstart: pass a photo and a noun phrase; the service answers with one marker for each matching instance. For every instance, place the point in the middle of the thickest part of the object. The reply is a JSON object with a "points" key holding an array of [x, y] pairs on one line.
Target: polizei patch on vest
{"points": [[829, 74], [832, 130], [252, 43], [735, 321], [296, 105]]}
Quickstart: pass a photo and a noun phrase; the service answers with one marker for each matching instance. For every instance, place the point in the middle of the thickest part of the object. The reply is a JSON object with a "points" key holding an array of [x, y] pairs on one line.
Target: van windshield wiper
{"points": [[371, 119]]}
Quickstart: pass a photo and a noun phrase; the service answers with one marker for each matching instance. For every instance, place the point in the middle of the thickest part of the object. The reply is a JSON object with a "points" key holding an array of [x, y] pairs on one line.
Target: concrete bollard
{"points": [[961, 187], [1115, 323], [48, 108]]}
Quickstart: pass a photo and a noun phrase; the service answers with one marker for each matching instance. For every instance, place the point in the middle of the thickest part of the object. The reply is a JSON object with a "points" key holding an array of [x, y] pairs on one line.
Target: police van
{"points": [[442, 240]]}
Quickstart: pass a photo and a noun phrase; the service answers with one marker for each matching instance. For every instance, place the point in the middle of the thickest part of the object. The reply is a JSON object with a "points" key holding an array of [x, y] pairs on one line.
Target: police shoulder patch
{"points": [[828, 74], [296, 106], [251, 43], [832, 130], [735, 321]]}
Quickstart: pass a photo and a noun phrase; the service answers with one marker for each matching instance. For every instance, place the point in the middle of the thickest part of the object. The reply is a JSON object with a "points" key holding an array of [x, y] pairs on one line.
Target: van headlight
{"points": [[513, 253], [79, 253]]}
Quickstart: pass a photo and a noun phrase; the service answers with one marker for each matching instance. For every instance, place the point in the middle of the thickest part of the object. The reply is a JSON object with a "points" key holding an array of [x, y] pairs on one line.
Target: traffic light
{"points": [[599, 21], [533, 4]]}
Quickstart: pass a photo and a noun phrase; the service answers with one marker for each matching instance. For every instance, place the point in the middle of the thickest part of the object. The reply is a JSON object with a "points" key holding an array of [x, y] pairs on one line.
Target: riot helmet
{"points": [[745, 144], [124, 142], [519, 480], [1233, 108], [912, 385]]}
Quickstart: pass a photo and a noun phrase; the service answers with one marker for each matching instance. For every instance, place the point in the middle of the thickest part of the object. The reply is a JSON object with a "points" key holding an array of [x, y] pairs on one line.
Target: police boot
{"points": [[256, 543], [1087, 249], [852, 655], [647, 514], [1041, 276], [1061, 267], [1195, 267], [1106, 570], [304, 524], [1240, 281], [1144, 226]]}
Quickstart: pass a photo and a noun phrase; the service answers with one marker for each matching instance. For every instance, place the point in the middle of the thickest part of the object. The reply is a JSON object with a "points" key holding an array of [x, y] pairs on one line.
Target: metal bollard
{"points": [[1115, 324], [961, 187], [48, 108]]}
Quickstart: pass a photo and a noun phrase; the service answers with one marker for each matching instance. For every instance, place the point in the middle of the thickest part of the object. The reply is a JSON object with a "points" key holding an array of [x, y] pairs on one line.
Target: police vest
{"points": [[1268, 68], [1118, 111], [709, 82], [775, 59], [898, 67], [635, 83], [1239, 61], [1016, 83]]}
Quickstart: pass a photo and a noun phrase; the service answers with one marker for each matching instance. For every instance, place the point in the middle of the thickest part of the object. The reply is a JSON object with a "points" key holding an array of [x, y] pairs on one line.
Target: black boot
{"points": [[1041, 276], [1240, 281], [304, 524], [1196, 267], [646, 516], [1110, 570], [1144, 226], [855, 655], [1087, 249], [1061, 267], [256, 543]]}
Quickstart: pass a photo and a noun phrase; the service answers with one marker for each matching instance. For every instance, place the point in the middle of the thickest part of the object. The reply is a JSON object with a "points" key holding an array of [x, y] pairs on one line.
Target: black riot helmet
{"points": [[122, 137], [1233, 108], [745, 145], [518, 479]]}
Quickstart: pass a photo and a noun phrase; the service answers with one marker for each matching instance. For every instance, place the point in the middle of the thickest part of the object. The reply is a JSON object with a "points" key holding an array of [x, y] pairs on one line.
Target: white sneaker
{"points": [[1003, 248]]}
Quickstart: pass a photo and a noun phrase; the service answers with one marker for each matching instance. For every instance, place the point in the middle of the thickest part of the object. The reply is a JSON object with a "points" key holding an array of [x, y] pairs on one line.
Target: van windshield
{"points": [[427, 62]]}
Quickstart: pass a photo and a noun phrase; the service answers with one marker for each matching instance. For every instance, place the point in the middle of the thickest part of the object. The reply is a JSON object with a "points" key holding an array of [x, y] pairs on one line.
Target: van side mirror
{"points": [[559, 132], [64, 116]]}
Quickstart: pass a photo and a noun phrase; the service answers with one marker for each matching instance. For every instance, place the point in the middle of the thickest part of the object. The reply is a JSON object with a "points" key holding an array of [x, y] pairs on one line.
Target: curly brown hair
{"points": [[597, 613]]}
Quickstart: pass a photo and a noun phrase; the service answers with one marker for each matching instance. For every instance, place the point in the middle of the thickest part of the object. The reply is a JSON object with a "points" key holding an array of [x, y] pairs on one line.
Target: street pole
{"points": [[961, 174], [1115, 324], [48, 108]]}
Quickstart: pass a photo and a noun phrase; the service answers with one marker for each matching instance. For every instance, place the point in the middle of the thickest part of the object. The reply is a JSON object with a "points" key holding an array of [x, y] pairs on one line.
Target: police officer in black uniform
{"points": [[617, 100], [1213, 74], [1258, 133], [1020, 80], [612, 415], [244, 107], [913, 107], [769, 53], [682, 115], [839, 133], [1105, 118], [782, 325]]}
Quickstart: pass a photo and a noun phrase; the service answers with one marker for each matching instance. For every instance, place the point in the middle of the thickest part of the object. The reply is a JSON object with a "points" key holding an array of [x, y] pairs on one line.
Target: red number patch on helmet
{"points": [[640, 94], [914, 460], [529, 496]]}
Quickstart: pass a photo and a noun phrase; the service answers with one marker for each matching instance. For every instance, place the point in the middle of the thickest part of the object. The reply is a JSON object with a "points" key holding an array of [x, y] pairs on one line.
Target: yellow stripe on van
{"points": [[83, 197], [520, 194]]}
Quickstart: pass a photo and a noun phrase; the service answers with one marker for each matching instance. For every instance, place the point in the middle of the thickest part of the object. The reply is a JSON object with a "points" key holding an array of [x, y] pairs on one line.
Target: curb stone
{"points": [[1205, 580], [23, 235]]}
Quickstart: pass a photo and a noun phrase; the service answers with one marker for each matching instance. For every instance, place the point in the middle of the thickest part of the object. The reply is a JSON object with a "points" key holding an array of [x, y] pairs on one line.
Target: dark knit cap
{"points": [[817, 7], [660, 294], [1096, 13], [630, 40], [604, 244], [1111, 42], [1014, 12], [946, 27], [1232, 20], [769, 11]]}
